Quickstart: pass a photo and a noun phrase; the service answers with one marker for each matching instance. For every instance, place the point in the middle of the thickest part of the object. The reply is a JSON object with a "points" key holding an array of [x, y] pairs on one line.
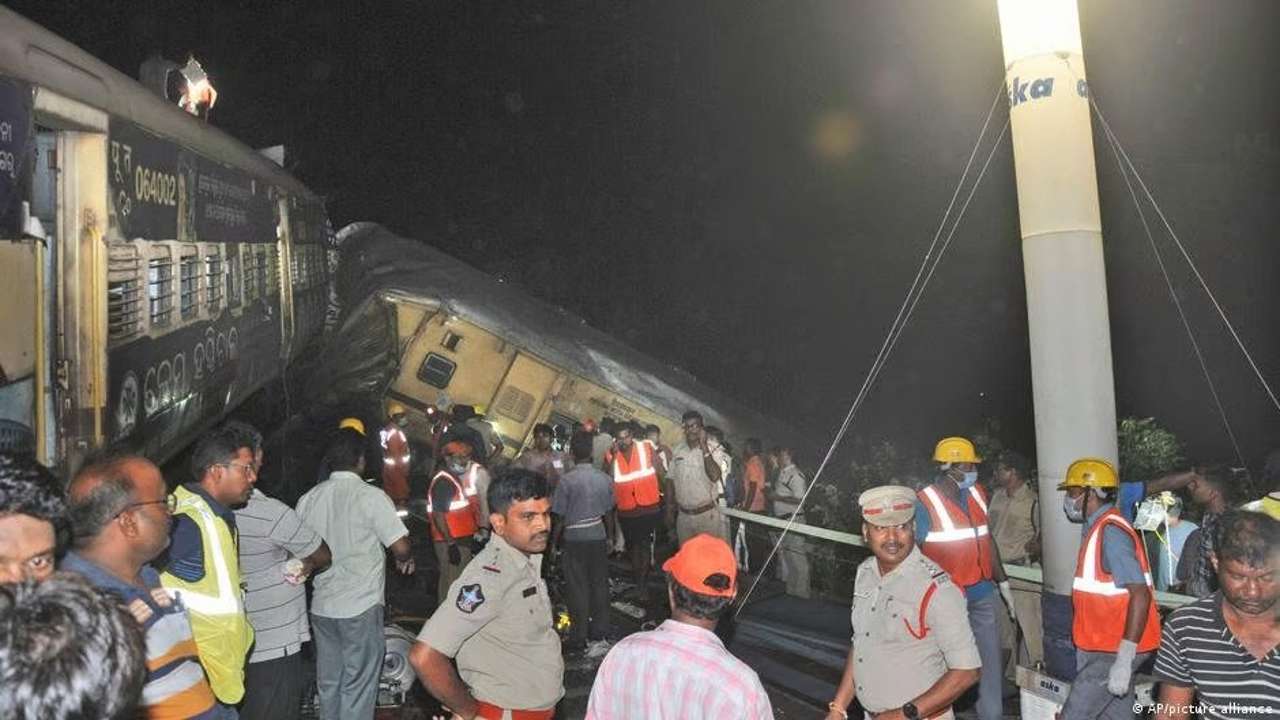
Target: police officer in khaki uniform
{"points": [[912, 651], [496, 619]]}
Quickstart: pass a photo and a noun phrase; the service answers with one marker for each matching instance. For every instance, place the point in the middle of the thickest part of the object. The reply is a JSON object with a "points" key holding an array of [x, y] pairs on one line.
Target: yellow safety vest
{"points": [[215, 602], [1269, 504]]}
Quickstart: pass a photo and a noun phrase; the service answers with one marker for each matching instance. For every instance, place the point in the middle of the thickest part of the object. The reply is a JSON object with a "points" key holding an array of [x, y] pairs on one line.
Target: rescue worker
{"points": [[352, 423], [951, 526], [203, 564], [912, 651], [453, 507], [496, 619], [637, 491], [395, 454], [1115, 626]]}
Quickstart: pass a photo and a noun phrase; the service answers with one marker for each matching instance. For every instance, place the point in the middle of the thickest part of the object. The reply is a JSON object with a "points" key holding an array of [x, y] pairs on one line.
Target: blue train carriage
{"points": [[156, 271]]}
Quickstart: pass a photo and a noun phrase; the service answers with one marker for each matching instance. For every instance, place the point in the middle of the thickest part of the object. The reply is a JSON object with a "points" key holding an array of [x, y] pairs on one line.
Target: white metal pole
{"points": [[1062, 255]]}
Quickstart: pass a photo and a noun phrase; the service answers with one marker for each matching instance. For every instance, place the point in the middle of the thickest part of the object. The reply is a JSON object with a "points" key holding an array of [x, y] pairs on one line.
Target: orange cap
{"points": [[699, 558], [589, 425]]}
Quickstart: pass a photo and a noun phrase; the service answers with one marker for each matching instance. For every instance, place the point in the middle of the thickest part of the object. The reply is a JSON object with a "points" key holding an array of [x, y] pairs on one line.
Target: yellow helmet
{"points": [[353, 423], [394, 409], [1090, 473], [955, 450]]}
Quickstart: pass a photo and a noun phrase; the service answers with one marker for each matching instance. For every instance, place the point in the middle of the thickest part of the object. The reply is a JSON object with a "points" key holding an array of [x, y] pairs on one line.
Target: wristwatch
{"points": [[910, 712]]}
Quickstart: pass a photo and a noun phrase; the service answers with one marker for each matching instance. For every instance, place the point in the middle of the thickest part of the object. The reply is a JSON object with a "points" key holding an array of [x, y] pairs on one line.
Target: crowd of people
{"points": [[123, 596]]}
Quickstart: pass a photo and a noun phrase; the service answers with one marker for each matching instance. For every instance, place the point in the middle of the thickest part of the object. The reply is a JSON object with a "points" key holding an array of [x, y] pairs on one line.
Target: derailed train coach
{"points": [[156, 271], [424, 329]]}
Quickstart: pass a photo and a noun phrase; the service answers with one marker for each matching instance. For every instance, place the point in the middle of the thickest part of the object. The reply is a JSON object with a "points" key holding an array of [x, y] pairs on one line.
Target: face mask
{"points": [[457, 468], [1073, 508], [970, 479]]}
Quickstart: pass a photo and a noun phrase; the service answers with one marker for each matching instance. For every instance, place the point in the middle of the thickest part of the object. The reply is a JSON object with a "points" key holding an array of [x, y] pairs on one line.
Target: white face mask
{"points": [[1073, 508], [457, 468], [970, 479]]}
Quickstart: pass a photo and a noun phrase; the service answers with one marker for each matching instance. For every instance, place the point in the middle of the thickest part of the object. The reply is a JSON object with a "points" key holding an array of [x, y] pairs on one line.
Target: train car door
{"points": [[518, 402], [52, 219]]}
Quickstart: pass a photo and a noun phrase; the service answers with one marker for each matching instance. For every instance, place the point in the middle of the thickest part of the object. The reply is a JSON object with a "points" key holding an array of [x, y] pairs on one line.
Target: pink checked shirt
{"points": [[676, 672]]}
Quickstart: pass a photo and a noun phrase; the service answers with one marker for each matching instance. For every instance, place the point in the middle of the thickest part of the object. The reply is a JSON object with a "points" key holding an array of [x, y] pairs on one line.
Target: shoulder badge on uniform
{"points": [[470, 597]]}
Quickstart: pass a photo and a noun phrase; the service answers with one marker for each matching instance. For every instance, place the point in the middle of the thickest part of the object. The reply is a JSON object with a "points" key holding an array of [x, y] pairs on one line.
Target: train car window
{"points": [[317, 266], [296, 259], [124, 292], [235, 285], [250, 260], [514, 403], [264, 271], [451, 341], [160, 286], [189, 272], [437, 370], [273, 270], [213, 280]]}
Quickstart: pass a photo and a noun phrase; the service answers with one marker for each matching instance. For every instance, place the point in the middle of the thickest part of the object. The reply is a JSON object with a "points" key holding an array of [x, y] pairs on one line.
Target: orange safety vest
{"points": [[1100, 606], [635, 481], [462, 515], [395, 462], [959, 543]]}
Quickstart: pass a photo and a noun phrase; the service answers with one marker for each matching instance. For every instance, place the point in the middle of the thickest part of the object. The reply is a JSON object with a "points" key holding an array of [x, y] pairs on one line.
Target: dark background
{"points": [[745, 189]]}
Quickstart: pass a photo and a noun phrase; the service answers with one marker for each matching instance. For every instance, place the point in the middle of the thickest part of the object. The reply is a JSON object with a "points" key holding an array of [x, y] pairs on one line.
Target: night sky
{"points": [[745, 189]]}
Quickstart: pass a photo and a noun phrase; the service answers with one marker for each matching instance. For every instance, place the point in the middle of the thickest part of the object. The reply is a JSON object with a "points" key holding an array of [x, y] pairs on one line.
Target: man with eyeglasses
{"points": [[121, 513], [203, 563]]}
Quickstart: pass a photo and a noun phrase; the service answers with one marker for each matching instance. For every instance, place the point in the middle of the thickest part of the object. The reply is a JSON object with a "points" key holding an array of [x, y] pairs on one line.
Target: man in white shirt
{"points": [[357, 520]]}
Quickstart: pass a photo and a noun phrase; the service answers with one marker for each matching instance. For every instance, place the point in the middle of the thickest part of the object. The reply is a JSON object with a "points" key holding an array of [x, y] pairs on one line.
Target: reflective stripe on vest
{"points": [[227, 601], [215, 603], [958, 540], [394, 455], [949, 531], [460, 498], [462, 517], [644, 464], [1100, 608]]}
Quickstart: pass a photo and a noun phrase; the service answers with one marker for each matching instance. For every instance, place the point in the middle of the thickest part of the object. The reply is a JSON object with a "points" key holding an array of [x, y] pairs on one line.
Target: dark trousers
{"points": [[586, 574], [273, 689]]}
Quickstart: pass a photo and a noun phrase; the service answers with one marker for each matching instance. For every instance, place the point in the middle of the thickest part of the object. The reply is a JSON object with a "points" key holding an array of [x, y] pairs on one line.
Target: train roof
{"points": [[32, 53], [377, 262]]}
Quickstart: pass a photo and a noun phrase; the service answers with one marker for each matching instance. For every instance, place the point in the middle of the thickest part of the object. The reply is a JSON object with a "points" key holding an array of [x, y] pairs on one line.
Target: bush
{"points": [[1146, 450]]}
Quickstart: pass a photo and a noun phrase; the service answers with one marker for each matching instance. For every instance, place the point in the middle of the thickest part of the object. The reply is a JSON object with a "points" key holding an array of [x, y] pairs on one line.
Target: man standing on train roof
{"points": [[912, 652], [1115, 626], [951, 527], [694, 478], [495, 621], [454, 507], [395, 454]]}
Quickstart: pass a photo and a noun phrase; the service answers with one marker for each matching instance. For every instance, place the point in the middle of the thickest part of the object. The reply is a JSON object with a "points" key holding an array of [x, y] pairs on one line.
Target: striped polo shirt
{"points": [[175, 687], [270, 533], [1198, 649]]}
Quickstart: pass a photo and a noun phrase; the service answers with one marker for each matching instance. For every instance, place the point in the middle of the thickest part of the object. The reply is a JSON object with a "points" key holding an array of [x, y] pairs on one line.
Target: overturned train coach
{"points": [[422, 328], [156, 271]]}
